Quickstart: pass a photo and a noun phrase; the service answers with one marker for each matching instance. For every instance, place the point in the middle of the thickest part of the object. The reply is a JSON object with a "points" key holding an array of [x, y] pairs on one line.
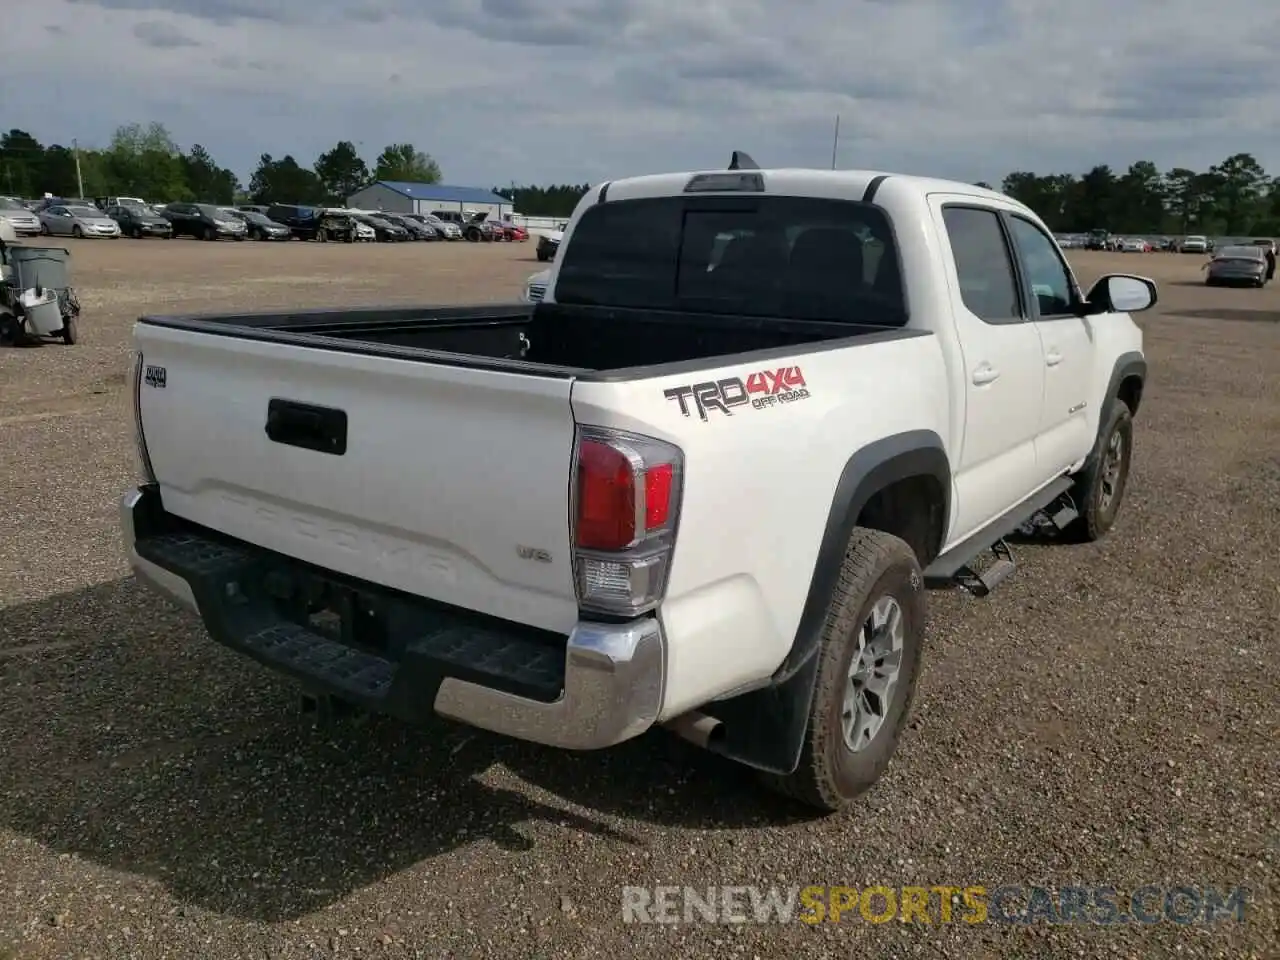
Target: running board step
{"points": [[1000, 570], [948, 569], [1065, 515]]}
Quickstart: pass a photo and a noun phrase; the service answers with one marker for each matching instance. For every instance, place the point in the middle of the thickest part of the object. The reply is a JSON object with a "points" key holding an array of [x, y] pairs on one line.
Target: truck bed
{"points": [[550, 339]]}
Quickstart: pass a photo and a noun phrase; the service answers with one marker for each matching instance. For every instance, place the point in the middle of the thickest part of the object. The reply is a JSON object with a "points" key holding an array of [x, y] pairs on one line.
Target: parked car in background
{"points": [[387, 232], [137, 220], [314, 223], [447, 229], [471, 226], [44, 203], [549, 243], [1265, 245], [337, 225], [1244, 264], [77, 220], [437, 229], [106, 203], [491, 231], [254, 208], [414, 229], [509, 231], [258, 226], [204, 221], [1098, 239], [1194, 244], [19, 216]]}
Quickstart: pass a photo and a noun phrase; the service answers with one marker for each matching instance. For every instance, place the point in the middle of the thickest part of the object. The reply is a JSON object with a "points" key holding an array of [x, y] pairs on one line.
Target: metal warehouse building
{"points": [[397, 196]]}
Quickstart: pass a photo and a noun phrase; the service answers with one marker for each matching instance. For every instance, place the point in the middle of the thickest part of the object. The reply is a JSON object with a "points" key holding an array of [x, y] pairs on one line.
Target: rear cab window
{"points": [[765, 256], [984, 265]]}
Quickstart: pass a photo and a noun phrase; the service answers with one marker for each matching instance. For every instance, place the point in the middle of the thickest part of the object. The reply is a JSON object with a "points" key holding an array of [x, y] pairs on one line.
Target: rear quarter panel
{"points": [[759, 483]]}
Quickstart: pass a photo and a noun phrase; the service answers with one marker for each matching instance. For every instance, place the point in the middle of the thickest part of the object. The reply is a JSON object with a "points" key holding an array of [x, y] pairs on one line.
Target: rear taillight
{"points": [[140, 438], [625, 504]]}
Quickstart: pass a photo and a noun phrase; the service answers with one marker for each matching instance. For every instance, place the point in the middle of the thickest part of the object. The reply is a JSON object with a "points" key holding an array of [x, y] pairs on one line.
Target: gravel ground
{"points": [[1107, 717]]}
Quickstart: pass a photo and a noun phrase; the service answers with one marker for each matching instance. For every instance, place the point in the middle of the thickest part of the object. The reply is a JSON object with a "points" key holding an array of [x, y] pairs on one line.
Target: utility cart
{"points": [[37, 301]]}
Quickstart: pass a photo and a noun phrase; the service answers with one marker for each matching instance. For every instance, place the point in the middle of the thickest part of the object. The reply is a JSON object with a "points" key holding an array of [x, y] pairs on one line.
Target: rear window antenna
{"points": [[741, 160]]}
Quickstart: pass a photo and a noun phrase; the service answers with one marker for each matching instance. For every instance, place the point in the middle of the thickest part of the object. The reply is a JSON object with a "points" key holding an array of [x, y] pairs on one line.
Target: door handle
{"points": [[1053, 357], [985, 373], [323, 429]]}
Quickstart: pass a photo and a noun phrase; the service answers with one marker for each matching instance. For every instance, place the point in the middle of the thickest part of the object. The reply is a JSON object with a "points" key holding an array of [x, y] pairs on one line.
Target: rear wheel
{"points": [[868, 663]]}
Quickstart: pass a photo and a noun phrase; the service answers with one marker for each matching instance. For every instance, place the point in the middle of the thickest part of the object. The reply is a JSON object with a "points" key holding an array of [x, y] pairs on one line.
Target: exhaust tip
{"points": [[698, 728]]}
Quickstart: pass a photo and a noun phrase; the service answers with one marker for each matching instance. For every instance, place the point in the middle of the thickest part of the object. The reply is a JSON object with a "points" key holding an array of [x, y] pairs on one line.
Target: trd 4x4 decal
{"points": [[761, 389]]}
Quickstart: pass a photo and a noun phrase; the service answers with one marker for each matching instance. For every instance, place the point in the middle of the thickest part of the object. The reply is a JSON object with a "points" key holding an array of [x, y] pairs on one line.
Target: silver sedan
{"points": [[77, 221]]}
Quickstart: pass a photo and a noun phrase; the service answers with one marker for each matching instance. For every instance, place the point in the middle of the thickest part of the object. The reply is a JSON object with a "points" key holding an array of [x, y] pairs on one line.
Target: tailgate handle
{"points": [[305, 425]]}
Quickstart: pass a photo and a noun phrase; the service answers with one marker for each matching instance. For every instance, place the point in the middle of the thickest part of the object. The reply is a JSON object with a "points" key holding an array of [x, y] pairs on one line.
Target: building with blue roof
{"points": [[398, 196]]}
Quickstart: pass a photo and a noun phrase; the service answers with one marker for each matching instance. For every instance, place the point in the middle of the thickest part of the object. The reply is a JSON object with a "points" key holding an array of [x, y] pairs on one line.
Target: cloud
{"points": [[542, 91], [162, 36]]}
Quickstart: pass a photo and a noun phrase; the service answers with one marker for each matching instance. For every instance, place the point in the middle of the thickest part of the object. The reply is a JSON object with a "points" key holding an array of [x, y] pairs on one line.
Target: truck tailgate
{"points": [[453, 484]]}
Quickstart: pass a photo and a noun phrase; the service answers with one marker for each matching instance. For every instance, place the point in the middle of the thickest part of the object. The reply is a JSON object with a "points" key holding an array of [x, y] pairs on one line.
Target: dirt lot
{"points": [[1108, 717]]}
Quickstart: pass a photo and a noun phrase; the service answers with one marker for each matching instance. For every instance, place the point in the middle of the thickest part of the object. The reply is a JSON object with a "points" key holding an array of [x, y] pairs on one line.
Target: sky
{"points": [[580, 91]]}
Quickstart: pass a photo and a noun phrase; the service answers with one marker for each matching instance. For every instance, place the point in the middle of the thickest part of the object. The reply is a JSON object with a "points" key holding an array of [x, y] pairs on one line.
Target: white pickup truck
{"points": [[702, 484]]}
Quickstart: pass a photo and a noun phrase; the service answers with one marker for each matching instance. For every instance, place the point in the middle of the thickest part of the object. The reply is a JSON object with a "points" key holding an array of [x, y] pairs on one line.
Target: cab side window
{"points": [[984, 268], [1047, 274]]}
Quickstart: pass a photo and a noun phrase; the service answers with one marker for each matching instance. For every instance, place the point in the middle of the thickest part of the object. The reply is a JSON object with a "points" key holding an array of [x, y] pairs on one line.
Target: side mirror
{"points": [[1122, 293]]}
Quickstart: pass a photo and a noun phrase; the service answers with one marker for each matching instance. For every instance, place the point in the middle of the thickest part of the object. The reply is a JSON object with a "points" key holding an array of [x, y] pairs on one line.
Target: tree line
{"points": [[1234, 197], [143, 160]]}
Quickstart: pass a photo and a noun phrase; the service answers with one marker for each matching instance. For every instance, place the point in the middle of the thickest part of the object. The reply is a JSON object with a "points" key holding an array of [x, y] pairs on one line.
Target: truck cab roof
{"points": [[797, 181]]}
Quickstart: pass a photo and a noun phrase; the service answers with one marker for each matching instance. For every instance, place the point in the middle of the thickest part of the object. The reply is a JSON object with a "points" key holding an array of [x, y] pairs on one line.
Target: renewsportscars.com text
{"points": [[938, 904]]}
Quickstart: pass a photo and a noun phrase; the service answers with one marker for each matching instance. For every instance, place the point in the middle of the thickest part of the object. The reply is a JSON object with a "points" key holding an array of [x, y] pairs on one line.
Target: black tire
{"points": [[44, 229], [877, 566], [77, 233], [69, 332], [1100, 486], [542, 257], [208, 234]]}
